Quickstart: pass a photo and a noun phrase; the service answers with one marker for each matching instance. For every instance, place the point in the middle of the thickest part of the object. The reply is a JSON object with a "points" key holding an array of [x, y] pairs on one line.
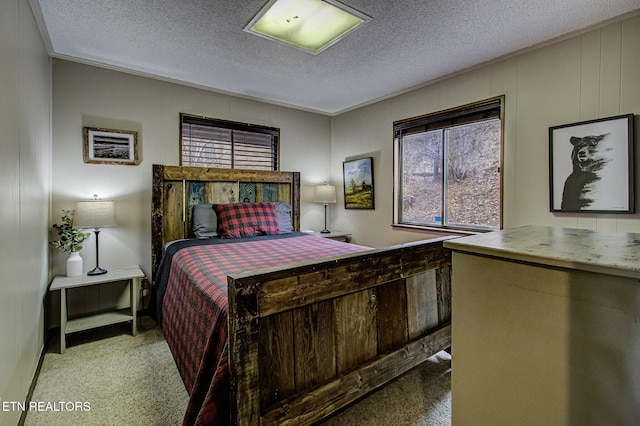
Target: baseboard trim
{"points": [[34, 380]]}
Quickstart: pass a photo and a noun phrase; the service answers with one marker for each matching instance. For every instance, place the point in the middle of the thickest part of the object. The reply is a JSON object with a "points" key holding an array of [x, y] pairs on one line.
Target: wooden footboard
{"points": [[308, 339]]}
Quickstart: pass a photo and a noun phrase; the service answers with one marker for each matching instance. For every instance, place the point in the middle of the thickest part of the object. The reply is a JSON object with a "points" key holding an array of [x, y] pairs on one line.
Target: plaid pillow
{"points": [[246, 219]]}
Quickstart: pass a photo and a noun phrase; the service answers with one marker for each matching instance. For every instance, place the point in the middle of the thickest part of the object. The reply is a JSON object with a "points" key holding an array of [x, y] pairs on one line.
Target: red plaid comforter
{"points": [[194, 309]]}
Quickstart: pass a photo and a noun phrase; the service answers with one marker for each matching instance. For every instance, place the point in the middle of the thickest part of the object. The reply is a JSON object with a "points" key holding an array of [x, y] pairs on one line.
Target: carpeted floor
{"points": [[108, 377]]}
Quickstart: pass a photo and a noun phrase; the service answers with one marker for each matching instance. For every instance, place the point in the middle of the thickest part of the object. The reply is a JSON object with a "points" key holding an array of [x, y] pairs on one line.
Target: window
{"points": [[207, 142], [448, 168]]}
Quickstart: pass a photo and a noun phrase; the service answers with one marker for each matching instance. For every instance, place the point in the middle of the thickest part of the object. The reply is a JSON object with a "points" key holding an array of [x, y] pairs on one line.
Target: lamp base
{"points": [[97, 271], [325, 230]]}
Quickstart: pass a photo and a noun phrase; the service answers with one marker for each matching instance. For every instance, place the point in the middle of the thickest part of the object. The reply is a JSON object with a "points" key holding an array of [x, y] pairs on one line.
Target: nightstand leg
{"points": [[63, 319], [134, 305]]}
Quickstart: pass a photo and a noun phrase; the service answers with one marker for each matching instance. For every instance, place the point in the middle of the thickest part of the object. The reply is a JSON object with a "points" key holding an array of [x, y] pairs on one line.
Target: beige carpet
{"points": [[108, 377]]}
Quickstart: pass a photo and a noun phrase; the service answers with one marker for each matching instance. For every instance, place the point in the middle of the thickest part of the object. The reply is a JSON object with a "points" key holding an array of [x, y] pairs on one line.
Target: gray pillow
{"points": [[283, 212], [205, 221]]}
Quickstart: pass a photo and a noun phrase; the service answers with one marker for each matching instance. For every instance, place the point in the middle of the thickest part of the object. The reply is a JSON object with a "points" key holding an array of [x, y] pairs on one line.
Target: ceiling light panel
{"points": [[311, 25]]}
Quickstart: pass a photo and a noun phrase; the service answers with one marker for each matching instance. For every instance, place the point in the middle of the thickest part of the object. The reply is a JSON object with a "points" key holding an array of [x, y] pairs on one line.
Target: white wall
{"points": [[25, 175], [590, 76], [90, 96]]}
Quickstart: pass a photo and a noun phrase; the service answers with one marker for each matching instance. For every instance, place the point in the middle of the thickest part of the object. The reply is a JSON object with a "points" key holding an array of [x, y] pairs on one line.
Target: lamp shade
{"points": [[94, 214], [325, 194]]}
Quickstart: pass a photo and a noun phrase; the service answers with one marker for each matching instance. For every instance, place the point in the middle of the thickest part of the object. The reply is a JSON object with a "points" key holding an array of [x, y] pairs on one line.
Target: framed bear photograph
{"points": [[591, 166]]}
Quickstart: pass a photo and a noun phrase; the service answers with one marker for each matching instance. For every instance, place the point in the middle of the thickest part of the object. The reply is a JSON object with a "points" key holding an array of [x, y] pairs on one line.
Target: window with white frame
{"points": [[448, 168], [208, 142]]}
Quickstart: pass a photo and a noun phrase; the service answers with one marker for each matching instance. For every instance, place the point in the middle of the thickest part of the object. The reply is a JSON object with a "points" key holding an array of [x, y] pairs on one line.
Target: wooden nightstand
{"points": [[335, 235], [133, 274]]}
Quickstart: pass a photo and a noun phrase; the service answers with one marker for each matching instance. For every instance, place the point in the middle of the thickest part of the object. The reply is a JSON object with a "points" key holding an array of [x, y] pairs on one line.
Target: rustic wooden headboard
{"points": [[176, 189]]}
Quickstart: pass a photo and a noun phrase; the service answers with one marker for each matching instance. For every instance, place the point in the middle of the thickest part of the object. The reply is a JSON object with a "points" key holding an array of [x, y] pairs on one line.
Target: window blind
{"points": [[463, 115], [207, 142]]}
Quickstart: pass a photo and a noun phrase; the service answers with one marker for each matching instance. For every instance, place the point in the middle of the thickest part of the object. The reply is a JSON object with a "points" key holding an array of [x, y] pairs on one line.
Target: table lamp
{"points": [[94, 214], [325, 194]]}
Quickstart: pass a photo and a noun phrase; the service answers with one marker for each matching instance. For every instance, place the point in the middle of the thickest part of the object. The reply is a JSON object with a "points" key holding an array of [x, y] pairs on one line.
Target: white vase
{"points": [[74, 265]]}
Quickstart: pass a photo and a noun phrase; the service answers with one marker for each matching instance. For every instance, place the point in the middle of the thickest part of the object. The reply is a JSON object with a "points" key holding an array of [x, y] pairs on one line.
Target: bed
{"points": [[294, 326]]}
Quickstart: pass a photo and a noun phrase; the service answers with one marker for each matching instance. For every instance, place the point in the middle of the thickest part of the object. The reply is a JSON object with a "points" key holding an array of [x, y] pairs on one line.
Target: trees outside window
{"points": [[448, 169]]}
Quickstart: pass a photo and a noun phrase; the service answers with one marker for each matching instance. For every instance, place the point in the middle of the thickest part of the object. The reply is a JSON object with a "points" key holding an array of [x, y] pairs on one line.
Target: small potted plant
{"points": [[70, 242]]}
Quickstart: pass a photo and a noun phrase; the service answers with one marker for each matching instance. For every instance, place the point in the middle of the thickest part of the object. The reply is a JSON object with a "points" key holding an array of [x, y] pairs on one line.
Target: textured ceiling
{"points": [[408, 43]]}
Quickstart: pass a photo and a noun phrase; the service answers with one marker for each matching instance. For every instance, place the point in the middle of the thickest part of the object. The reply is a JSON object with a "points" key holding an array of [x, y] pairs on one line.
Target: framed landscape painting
{"points": [[107, 146], [591, 166], [358, 183]]}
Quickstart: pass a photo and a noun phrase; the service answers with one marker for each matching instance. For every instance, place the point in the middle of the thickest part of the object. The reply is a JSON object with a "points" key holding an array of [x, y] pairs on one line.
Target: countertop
{"points": [[614, 253]]}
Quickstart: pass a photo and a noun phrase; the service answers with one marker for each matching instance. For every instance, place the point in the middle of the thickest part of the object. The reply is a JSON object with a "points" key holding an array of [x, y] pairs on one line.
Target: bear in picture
{"points": [[587, 164]]}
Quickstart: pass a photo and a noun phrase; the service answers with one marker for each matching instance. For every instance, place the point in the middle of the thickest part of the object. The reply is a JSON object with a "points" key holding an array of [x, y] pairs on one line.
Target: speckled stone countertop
{"points": [[614, 253]]}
